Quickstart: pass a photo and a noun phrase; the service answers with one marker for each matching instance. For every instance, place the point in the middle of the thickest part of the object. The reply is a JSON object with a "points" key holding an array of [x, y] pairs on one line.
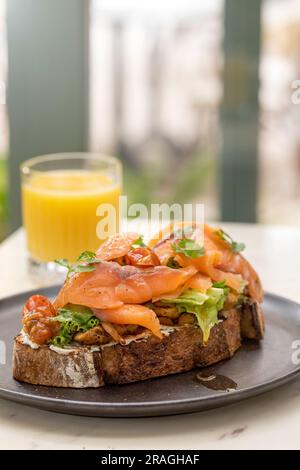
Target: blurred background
{"points": [[195, 97]]}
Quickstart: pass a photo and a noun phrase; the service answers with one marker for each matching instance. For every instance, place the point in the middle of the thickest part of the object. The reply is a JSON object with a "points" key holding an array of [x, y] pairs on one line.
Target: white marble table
{"points": [[268, 421]]}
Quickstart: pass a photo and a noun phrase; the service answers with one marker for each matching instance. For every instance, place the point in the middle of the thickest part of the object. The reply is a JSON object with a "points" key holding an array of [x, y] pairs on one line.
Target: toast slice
{"points": [[144, 357]]}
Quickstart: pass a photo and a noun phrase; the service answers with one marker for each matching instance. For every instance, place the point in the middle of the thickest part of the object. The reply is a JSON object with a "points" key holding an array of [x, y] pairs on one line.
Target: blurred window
{"points": [[279, 196], [3, 121], [155, 95]]}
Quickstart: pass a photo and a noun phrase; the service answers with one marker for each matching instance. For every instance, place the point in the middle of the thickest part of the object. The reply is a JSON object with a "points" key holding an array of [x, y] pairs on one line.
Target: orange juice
{"points": [[59, 211]]}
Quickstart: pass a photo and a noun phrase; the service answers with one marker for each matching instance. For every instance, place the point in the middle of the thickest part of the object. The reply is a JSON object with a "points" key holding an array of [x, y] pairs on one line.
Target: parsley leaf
{"points": [[84, 268], [85, 263], [235, 246], [63, 262], [138, 243], [88, 257], [188, 247]]}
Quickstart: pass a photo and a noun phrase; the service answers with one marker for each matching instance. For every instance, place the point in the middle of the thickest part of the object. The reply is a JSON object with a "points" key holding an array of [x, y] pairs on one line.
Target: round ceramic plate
{"points": [[254, 368]]}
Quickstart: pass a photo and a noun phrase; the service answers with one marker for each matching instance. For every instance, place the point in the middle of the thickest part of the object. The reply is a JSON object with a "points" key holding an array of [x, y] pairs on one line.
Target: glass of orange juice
{"points": [[61, 196]]}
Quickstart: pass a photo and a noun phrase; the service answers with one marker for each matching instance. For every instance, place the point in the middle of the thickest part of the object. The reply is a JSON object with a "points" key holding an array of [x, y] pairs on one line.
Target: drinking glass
{"points": [[61, 196]]}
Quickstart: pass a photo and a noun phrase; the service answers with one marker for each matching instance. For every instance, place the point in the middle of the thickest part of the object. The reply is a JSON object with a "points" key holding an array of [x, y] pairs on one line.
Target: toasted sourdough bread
{"points": [[180, 350]]}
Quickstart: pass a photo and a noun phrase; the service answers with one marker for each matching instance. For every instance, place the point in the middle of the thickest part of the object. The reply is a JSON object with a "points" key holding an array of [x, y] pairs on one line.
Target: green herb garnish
{"points": [[138, 243], [188, 247], [88, 257], [73, 319], [236, 247], [85, 263]]}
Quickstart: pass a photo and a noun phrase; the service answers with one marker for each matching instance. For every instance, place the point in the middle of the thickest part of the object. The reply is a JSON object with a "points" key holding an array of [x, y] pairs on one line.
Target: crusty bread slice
{"points": [[181, 349]]}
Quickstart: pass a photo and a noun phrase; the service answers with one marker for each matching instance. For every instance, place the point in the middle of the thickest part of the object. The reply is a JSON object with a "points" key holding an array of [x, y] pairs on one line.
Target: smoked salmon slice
{"points": [[111, 285], [219, 261], [116, 246], [175, 229], [199, 281], [236, 263], [131, 315]]}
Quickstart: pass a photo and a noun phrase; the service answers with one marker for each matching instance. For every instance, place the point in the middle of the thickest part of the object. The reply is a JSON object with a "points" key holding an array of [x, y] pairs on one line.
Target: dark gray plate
{"points": [[255, 369]]}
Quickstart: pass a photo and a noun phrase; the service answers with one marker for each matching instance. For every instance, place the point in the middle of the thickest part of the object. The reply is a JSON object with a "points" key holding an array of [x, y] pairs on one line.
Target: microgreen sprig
{"points": [[188, 247], [138, 243], [85, 263], [236, 247]]}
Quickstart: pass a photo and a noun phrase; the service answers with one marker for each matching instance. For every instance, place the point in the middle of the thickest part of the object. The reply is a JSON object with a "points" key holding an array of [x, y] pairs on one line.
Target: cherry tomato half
{"points": [[143, 257]]}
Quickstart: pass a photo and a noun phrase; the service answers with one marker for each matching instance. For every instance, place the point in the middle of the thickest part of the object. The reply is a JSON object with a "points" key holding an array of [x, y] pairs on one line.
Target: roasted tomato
{"points": [[39, 303], [37, 319], [143, 257]]}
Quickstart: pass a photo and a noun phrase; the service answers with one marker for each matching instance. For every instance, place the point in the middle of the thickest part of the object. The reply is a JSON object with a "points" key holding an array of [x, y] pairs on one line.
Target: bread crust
{"points": [[44, 366], [180, 350]]}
